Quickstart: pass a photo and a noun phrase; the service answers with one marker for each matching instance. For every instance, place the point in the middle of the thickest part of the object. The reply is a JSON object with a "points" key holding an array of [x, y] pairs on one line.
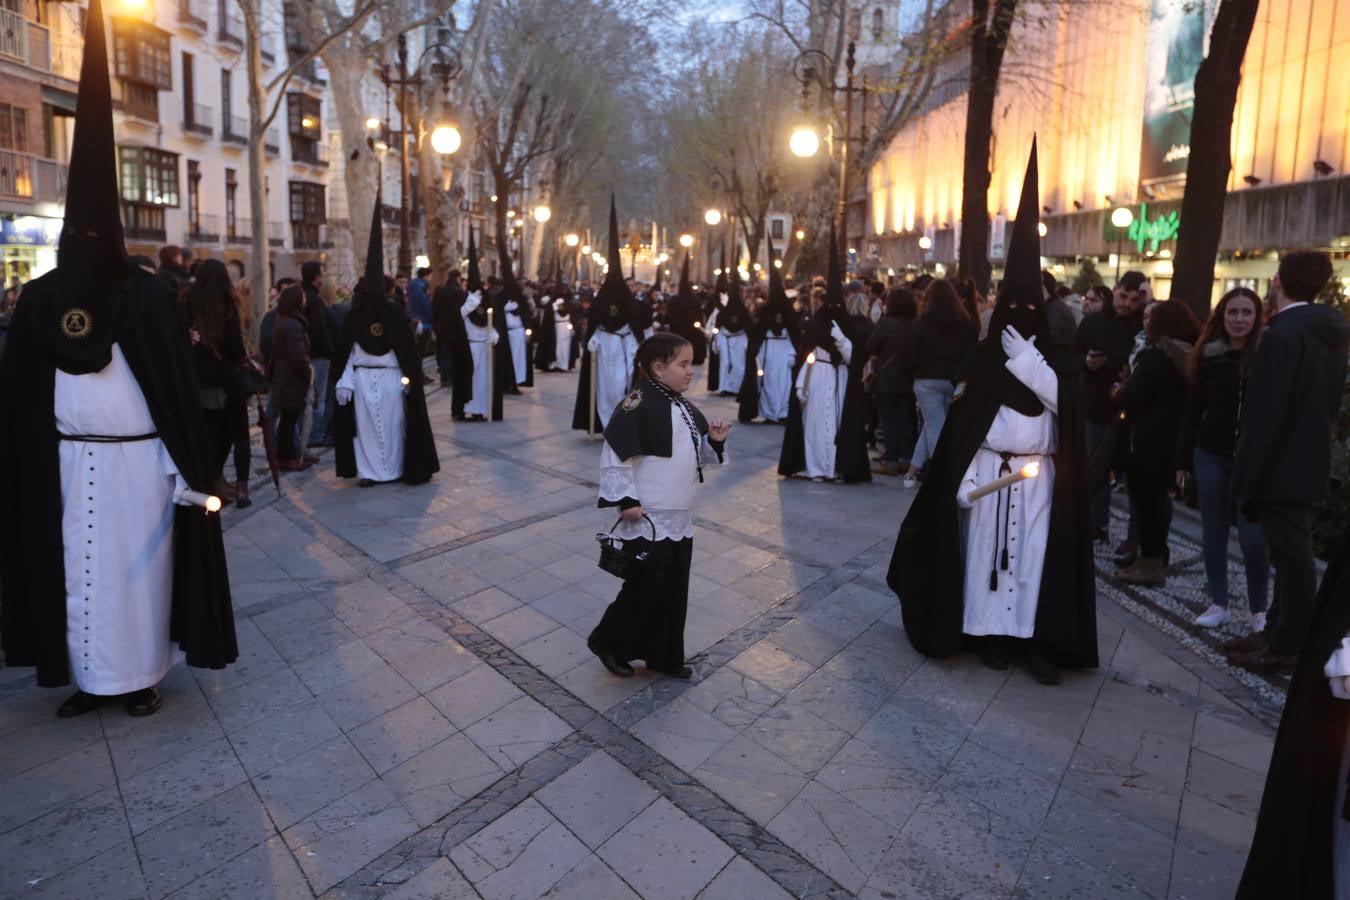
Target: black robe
{"points": [[851, 462], [420, 459], [1291, 853], [153, 336], [545, 338], [927, 570], [461, 361]]}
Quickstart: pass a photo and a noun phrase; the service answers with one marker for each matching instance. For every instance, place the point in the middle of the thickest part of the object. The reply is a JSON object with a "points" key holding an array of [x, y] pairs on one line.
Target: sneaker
{"points": [[1213, 617], [1258, 623]]}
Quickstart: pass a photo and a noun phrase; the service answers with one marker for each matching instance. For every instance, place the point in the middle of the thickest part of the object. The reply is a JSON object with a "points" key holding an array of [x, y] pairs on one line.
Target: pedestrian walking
{"points": [[1217, 372], [1282, 465], [218, 355], [314, 421], [290, 373], [650, 464], [893, 394]]}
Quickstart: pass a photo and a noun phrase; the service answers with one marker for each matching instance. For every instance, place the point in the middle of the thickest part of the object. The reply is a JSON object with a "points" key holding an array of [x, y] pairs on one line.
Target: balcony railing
{"points": [[16, 174], [194, 14], [50, 178], [310, 153], [206, 230], [276, 235], [197, 119], [25, 42], [234, 129], [231, 24], [241, 233], [305, 235]]}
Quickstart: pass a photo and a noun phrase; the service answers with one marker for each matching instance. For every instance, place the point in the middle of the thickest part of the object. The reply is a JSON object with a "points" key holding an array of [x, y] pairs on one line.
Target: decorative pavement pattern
{"points": [[415, 715]]}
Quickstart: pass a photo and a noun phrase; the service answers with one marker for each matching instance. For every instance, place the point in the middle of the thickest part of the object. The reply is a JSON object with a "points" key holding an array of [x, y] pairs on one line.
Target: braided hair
{"points": [[663, 346]]}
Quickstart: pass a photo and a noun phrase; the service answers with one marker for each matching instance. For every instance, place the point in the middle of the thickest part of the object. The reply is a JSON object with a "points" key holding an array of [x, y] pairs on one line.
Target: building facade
{"points": [[1113, 132]]}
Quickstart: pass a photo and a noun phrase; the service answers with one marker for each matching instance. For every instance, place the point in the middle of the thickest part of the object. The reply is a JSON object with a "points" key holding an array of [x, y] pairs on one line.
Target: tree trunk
{"points": [[259, 270], [988, 40], [345, 73], [1207, 169], [503, 186]]}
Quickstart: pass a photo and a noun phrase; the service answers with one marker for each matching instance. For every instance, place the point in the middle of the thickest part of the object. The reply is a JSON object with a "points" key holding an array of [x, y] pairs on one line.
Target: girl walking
{"points": [[651, 460]]}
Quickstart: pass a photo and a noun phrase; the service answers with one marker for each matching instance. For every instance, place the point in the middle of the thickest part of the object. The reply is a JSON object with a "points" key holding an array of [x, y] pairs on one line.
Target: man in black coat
{"points": [[1282, 465], [317, 414], [449, 327]]}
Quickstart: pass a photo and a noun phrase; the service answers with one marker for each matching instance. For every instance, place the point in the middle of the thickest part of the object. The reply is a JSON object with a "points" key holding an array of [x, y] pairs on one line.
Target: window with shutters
{"points": [[149, 176], [13, 128], [307, 214], [141, 53], [305, 126], [231, 210]]}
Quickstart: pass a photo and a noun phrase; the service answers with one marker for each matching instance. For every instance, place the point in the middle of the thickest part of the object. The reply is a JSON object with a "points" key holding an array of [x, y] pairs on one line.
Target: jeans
{"points": [[286, 449], [1288, 531], [897, 425], [1212, 477], [934, 396], [1152, 510], [1099, 512], [318, 419]]}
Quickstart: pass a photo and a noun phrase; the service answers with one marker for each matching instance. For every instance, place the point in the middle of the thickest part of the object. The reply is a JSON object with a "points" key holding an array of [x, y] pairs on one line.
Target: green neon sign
{"points": [[1146, 234]]}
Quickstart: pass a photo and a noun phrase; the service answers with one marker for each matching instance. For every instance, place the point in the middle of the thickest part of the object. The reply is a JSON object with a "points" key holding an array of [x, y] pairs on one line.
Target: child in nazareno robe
{"points": [[650, 464]]}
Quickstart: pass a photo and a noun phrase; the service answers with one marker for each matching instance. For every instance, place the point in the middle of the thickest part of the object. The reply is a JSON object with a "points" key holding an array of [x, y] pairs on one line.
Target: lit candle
{"points": [[529, 332], [1030, 470], [404, 380], [205, 501], [811, 358]]}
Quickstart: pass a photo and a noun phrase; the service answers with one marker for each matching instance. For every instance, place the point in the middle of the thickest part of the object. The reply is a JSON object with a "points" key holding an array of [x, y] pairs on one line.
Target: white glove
{"points": [[1340, 687], [723, 299], [559, 305], [963, 498], [474, 300], [1014, 345], [836, 332], [512, 306], [343, 396], [494, 337]]}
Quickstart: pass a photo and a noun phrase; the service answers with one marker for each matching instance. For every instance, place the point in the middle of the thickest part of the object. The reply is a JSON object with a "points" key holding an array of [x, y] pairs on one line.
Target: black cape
{"points": [[1292, 852], [641, 424], [420, 459], [927, 570], [153, 336], [850, 462], [457, 339], [545, 336]]}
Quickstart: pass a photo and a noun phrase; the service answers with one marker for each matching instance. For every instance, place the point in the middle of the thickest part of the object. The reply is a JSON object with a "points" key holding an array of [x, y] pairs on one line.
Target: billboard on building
{"points": [[1178, 36]]}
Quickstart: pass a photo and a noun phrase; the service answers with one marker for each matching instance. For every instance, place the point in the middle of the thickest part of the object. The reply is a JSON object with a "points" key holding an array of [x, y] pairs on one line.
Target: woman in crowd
{"points": [[1218, 374], [893, 394], [289, 371], [217, 352], [650, 463], [933, 349], [1153, 396]]}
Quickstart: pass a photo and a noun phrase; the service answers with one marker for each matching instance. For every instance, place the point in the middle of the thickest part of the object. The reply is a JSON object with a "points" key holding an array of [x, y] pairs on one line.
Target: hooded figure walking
{"points": [[104, 564], [381, 431], [1016, 403], [770, 356], [481, 337], [614, 330]]}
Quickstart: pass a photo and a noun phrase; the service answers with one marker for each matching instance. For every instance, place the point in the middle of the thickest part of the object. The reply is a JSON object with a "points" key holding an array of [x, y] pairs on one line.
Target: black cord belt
{"points": [[108, 438], [391, 368]]}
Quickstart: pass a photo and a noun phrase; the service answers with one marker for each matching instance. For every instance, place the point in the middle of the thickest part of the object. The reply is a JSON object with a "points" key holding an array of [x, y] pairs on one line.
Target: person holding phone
{"points": [[1106, 340]]}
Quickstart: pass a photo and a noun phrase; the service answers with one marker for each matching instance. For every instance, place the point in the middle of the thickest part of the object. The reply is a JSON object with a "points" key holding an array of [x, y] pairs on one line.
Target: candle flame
{"points": [[761, 373], [698, 325], [1031, 470], [528, 332], [213, 504], [811, 359], [405, 381]]}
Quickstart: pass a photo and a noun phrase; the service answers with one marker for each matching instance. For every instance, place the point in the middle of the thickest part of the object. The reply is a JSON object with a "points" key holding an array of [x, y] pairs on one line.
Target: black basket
{"points": [[619, 561]]}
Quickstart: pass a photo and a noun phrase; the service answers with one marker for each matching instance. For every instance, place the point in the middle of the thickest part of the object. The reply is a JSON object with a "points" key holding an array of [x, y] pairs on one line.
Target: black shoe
{"points": [[1040, 667], [995, 653], [684, 673], [365, 482], [143, 703], [79, 703], [614, 665]]}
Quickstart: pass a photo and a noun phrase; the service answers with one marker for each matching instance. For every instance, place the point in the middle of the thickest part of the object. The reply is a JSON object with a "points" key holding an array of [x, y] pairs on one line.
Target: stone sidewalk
{"points": [[415, 715]]}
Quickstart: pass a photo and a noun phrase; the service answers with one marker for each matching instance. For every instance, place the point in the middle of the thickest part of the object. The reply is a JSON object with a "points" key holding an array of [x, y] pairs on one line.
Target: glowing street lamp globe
{"points": [[542, 214], [1041, 229], [372, 123], [801, 235], [1122, 217], [571, 240], [686, 241], [585, 249], [712, 216], [804, 142], [925, 243], [445, 139]]}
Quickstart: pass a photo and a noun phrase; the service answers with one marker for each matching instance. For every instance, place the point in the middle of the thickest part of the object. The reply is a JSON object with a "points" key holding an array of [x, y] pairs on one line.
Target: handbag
{"points": [[247, 379], [618, 560]]}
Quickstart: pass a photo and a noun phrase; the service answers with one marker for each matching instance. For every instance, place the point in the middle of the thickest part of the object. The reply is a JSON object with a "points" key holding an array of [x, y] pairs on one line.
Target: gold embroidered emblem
{"points": [[778, 318], [613, 309], [76, 323], [631, 401], [376, 329]]}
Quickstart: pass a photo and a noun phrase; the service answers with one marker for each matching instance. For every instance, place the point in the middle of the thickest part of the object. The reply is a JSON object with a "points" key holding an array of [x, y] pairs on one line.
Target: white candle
{"points": [[1030, 470], [205, 501]]}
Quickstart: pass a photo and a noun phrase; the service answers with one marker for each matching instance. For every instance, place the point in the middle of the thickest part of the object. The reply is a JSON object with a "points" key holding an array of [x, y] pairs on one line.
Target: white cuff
{"points": [[616, 482]]}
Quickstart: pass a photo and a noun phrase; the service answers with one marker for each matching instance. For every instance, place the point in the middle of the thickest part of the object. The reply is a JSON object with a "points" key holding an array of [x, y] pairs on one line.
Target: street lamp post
{"points": [[1122, 218], [445, 138]]}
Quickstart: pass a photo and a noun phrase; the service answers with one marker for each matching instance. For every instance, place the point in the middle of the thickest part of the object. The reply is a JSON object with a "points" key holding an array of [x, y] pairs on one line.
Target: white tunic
{"points": [[562, 339], [820, 388], [731, 357], [376, 383], [515, 335], [664, 486], [775, 359], [1022, 510], [117, 509], [480, 337], [616, 350]]}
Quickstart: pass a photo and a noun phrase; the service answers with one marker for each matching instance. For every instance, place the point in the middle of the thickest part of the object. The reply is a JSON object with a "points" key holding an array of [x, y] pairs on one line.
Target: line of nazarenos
{"points": [[770, 355], [483, 339]]}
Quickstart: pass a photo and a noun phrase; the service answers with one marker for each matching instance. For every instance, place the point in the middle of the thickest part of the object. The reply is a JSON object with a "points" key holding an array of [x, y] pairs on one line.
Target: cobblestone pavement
{"points": [[415, 715]]}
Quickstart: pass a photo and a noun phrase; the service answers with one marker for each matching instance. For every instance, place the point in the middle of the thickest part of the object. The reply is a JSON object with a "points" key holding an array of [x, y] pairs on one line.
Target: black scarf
{"points": [[641, 426]]}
